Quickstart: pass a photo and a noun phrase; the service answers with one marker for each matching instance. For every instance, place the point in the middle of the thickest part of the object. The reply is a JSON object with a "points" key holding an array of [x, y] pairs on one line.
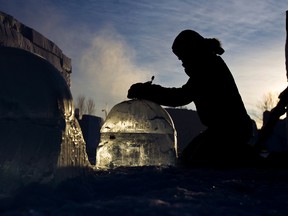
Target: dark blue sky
{"points": [[114, 43]]}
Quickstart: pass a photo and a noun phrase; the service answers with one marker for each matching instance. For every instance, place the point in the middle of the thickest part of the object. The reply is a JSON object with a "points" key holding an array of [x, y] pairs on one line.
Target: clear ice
{"points": [[137, 133], [40, 137]]}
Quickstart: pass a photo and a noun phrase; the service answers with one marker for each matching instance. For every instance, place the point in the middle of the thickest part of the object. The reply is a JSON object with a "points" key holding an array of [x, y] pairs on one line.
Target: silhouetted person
{"points": [[212, 88], [274, 115], [274, 159]]}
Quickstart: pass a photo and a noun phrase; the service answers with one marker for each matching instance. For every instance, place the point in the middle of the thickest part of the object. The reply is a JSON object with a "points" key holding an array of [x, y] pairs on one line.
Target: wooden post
{"points": [[286, 45], [286, 63]]}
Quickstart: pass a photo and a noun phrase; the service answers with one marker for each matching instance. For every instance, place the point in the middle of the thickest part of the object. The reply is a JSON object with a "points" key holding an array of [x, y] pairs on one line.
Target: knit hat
{"points": [[189, 40]]}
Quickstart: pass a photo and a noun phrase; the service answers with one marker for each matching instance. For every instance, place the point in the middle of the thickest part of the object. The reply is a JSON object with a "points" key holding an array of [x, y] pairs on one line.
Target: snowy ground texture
{"points": [[157, 191]]}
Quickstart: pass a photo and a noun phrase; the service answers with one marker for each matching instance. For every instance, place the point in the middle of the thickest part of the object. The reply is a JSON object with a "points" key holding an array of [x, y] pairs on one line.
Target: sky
{"points": [[115, 43]]}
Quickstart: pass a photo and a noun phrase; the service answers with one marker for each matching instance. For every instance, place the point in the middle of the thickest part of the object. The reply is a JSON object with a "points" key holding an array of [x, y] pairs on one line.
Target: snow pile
{"points": [[152, 191]]}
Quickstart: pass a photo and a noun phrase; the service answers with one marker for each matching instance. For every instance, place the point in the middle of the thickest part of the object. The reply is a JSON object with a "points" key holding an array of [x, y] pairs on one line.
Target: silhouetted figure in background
{"points": [[212, 88], [267, 129], [274, 159]]}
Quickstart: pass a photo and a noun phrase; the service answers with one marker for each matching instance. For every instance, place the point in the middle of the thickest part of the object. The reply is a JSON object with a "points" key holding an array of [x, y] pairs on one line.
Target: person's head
{"points": [[190, 43]]}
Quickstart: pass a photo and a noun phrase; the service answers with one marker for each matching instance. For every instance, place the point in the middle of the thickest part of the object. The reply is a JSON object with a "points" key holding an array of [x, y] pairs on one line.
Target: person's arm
{"points": [[164, 96]]}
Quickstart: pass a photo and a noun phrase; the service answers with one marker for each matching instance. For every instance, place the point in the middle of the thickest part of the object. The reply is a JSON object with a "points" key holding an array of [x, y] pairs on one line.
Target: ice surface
{"points": [[137, 133], [39, 134]]}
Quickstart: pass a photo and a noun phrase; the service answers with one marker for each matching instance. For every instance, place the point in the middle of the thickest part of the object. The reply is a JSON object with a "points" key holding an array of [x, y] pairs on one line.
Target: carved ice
{"points": [[137, 133], [40, 137]]}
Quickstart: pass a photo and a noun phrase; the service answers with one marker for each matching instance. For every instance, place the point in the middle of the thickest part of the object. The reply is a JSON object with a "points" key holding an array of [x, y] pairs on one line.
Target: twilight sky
{"points": [[115, 43]]}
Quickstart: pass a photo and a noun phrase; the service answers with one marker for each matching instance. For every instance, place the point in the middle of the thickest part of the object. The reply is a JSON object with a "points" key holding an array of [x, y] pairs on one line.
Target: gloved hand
{"points": [[137, 90]]}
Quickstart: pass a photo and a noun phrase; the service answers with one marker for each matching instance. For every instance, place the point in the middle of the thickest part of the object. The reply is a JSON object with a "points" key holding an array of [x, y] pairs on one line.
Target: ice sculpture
{"points": [[40, 138], [137, 133]]}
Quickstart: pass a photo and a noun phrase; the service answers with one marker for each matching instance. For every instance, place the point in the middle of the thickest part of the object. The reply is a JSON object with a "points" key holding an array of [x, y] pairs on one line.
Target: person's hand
{"points": [[136, 90]]}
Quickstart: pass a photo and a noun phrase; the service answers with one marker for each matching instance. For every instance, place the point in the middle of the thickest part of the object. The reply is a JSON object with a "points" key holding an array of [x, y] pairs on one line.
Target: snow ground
{"points": [[157, 191]]}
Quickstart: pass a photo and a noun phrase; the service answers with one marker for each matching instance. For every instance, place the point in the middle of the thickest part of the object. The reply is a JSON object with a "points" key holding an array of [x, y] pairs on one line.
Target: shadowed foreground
{"points": [[155, 191]]}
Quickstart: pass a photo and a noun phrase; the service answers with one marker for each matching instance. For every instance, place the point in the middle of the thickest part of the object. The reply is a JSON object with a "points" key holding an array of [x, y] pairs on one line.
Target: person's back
{"points": [[216, 95]]}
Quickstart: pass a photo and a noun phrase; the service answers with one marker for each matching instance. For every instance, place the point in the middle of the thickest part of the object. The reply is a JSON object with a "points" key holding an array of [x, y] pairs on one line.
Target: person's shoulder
{"points": [[220, 61], [218, 58]]}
